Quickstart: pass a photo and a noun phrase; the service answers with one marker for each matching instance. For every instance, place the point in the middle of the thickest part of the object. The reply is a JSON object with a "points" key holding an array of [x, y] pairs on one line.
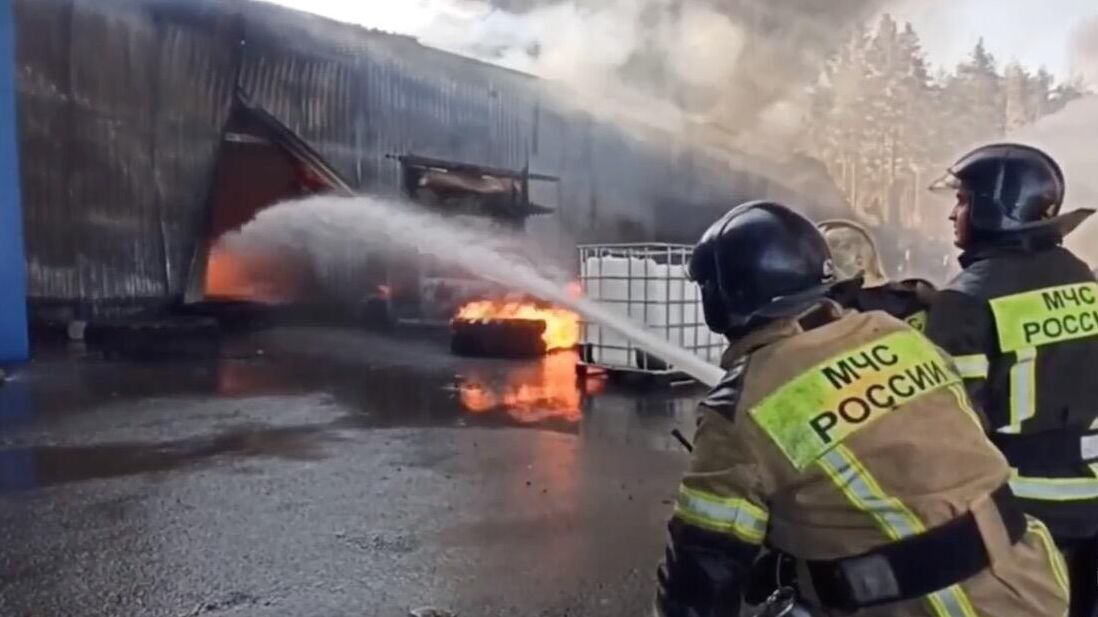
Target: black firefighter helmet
{"points": [[759, 262], [1011, 188]]}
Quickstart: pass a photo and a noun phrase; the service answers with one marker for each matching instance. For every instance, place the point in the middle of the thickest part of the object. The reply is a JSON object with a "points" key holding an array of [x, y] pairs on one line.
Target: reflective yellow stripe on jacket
{"points": [[1055, 489], [1023, 389], [731, 515], [892, 517], [1059, 567], [972, 367], [828, 403], [1033, 319], [810, 417], [1026, 322]]}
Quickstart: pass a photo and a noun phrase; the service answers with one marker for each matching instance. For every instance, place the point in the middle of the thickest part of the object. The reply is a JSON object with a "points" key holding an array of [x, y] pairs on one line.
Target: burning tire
{"points": [[512, 329], [512, 338]]}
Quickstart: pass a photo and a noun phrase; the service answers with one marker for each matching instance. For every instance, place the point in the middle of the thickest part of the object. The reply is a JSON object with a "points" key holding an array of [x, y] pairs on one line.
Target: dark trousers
{"points": [[1081, 555]]}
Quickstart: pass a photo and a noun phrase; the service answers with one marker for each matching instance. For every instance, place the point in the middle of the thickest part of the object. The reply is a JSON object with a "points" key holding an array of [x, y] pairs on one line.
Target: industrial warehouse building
{"points": [[129, 112]]}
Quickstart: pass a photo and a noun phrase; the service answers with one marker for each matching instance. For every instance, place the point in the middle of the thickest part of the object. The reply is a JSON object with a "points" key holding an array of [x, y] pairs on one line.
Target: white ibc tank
{"points": [[653, 292]]}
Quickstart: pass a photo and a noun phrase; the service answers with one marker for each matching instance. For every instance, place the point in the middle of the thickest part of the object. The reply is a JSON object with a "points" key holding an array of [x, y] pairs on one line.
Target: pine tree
{"points": [[1040, 89], [881, 119], [975, 96], [1017, 100], [919, 130], [897, 141], [884, 121], [839, 100]]}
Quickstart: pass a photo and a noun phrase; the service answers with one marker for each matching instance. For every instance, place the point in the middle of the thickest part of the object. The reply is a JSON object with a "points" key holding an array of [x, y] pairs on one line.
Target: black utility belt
{"points": [[1062, 448], [916, 566]]}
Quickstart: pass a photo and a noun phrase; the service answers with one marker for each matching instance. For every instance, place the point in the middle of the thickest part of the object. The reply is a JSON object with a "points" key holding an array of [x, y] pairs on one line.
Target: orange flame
{"points": [[562, 327], [530, 394], [251, 277], [226, 275]]}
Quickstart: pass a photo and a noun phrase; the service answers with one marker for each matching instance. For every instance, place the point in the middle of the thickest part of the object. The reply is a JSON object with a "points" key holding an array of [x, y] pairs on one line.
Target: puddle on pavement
{"points": [[529, 394], [37, 467], [376, 391]]}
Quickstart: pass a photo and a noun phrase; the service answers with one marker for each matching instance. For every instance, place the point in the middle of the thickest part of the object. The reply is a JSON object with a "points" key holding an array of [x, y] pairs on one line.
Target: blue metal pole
{"points": [[14, 345]]}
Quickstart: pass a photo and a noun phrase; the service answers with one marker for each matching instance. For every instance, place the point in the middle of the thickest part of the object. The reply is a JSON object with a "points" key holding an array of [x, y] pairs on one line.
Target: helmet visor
{"points": [[947, 184]]}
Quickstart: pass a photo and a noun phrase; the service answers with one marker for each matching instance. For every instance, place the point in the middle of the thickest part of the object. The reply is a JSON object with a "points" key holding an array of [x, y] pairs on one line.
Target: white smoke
{"points": [[729, 77], [336, 239], [739, 64], [1084, 52], [1068, 136], [584, 43]]}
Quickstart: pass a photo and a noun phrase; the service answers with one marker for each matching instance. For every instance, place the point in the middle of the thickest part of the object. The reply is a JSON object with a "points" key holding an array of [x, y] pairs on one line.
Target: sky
{"points": [[1029, 31]]}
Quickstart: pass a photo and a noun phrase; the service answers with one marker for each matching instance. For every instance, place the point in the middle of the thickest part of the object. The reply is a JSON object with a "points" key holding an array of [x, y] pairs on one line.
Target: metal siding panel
{"points": [[444, 106], [113, 203], [310, 92], [43, 149], [196, 78], [108, 171], [123, 108], [43, 54], [119, 252]]}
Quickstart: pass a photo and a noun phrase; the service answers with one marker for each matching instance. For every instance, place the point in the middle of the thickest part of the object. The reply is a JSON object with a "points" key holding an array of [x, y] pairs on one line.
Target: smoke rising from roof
{"points": [[1068, 137], [727, 78], [1084, 51], [738, 63]]}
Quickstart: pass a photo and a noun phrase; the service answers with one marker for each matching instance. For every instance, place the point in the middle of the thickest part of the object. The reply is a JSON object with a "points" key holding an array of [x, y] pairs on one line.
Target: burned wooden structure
{"points": [[428, 290], [462, 188]]}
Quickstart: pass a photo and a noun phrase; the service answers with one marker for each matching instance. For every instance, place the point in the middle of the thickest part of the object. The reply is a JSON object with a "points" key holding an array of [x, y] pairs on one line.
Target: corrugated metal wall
{"points": [[122, 105]]}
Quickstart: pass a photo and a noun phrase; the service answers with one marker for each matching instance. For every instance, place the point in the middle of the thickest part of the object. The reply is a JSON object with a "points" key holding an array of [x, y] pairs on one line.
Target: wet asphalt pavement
{"points": [[320, 472]]}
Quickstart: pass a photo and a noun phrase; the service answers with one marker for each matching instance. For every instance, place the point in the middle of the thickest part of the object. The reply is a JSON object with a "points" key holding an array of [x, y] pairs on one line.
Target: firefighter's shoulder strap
{"points": [[915, 566]]}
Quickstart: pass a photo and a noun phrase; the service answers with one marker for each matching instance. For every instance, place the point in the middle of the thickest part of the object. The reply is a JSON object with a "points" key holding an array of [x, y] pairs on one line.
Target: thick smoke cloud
{"points": [[1084, 51], [737, 63], [730, 78], [1065, 137]]}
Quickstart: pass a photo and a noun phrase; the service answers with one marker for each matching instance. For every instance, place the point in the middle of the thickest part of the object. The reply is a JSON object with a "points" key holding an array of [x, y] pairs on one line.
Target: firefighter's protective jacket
{"points": [[908, 300], [1022, 325], [835, 435]]}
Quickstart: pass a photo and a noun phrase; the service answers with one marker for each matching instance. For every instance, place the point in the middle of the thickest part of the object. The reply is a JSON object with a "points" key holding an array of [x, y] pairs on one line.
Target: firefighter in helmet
{"points": [[855, 253], [1021, 320], [845, 441]]}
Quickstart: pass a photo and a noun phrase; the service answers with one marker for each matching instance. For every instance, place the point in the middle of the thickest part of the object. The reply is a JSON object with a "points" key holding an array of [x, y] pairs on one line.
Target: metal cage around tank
{"points": [[646, 282]]}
